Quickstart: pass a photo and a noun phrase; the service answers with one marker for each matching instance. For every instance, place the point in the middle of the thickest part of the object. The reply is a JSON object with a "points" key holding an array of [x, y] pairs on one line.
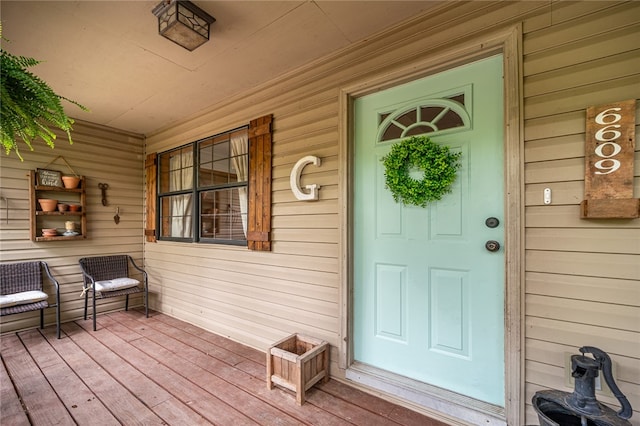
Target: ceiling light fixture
{"points": [[183, 22]]}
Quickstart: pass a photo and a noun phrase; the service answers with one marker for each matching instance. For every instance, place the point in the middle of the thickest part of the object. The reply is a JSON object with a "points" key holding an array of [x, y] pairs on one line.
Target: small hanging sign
{"points": [[609, 157], [47, 177]]}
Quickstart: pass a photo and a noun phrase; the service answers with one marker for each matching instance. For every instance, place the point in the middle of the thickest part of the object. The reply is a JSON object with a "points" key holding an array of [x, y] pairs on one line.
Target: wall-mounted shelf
{"points": [[39, 219]]}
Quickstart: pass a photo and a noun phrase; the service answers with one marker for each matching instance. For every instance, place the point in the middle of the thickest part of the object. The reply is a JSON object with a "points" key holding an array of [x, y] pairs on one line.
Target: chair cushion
{"points": [[116, 284], [22, 298]]}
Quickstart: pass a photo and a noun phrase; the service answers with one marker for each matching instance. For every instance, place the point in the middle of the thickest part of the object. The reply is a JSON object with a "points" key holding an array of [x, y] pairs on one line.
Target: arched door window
{"points": [[433, 115]]}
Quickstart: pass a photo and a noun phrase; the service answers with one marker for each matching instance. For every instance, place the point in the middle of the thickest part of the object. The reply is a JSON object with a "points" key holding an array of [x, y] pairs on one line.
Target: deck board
{"points": [[151, 392], [250, 384], [159, 370], [10, 406], [73, 393], [100, 369], [165, 380], [41, 403]]}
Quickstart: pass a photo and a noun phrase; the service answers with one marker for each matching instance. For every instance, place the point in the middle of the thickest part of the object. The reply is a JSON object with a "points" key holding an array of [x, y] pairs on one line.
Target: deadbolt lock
{"points": [[492, 245], [492, 222]]}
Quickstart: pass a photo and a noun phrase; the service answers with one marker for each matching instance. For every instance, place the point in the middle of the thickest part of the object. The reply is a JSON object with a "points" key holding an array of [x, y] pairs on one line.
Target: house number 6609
{"points": [[609, 148], [607, 134]]}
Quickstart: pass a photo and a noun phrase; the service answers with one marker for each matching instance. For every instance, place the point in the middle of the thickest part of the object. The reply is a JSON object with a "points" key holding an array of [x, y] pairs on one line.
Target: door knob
{"points": [[492, 245], [492, 222]]}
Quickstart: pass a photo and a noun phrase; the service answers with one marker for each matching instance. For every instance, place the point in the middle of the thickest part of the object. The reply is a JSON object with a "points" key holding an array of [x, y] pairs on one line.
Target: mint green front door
{"points": [[428, 294]]}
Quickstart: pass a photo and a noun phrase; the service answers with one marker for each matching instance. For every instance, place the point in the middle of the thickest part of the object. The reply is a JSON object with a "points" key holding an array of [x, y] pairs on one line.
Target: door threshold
{"points": [[449, 403]]}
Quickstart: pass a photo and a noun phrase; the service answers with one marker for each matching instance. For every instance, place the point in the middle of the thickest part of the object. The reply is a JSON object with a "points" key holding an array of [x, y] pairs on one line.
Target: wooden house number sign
{"points": [[609, 156]]}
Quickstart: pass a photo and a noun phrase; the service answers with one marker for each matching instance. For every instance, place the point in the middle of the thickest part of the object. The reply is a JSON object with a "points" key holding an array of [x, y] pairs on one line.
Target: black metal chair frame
{"points": [[27, 276], [99, 268]]}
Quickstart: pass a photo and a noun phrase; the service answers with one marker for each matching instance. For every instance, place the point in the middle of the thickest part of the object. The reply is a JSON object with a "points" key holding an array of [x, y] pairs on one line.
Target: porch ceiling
{"points": [[108, 55]]}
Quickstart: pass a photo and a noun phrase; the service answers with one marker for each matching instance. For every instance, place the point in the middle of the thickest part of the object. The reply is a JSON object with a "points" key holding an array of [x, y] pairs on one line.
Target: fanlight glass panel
{"points": [[425, 117]]}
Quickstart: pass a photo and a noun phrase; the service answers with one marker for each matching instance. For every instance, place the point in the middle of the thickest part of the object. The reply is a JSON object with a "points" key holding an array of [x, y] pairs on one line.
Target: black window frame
{"points": [[196, 190]]}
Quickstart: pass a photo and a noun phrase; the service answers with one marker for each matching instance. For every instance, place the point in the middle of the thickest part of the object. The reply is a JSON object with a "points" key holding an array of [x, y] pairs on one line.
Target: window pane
{"points": [[223, 214], [408, 118], [175, 216], [221, 172], [429, 113], [206, 175], [208, 215], [223, 159], [458, 98], [176, 170], [239, 167], [239, 171], [450, 120], [205, 170], [221, 149], [392, 132], [382, 116]]}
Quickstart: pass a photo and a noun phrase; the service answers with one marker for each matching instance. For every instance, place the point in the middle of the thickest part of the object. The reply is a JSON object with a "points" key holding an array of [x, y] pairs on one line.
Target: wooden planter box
{"points": [[297, 363]]}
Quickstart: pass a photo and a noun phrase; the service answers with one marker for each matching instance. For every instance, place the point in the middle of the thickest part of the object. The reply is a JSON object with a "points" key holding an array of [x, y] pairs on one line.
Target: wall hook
{"points": [[116, 218], [103, 187]]}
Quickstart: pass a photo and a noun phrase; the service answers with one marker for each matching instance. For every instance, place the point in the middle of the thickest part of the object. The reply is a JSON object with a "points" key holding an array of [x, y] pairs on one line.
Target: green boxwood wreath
{"points": [[437, 162]]}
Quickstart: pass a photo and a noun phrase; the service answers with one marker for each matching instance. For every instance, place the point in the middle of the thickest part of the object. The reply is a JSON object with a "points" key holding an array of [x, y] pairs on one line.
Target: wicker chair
{"points": [[21, 288], [108, 276]]}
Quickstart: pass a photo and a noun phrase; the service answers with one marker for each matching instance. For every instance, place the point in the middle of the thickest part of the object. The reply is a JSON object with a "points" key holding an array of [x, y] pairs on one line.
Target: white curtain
{"points": [[239, 149], [181, 178]]}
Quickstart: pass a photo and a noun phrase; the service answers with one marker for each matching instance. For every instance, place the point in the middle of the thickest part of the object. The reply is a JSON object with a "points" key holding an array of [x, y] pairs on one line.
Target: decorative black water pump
{"points": [[581, 408]]}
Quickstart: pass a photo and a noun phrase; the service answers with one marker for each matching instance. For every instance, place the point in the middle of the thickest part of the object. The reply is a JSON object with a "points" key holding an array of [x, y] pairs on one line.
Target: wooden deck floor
{"points": [[161, 371]]}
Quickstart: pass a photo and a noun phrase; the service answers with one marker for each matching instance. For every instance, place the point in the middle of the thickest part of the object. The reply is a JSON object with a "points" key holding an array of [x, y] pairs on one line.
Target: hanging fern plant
{"points": [[29, 107], [437, 163]]}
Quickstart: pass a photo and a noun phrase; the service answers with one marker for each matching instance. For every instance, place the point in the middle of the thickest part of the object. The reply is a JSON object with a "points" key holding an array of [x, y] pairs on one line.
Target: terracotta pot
{"points": [[47, 205], [63, 207], [49, 232], [74, 207], [70, 182]]}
